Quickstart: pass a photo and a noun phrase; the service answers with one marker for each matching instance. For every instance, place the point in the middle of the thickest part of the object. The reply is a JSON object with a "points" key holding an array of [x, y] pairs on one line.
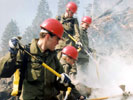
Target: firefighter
{"points": [[68, 59], [71, 26], [83, 58], [38, 83]]}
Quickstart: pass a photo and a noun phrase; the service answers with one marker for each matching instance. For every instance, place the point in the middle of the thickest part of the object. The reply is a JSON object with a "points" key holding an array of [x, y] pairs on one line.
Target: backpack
{"points": [[60, 18]]}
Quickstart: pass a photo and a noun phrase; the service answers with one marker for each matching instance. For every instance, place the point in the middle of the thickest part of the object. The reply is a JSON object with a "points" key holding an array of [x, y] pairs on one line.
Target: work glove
{"points": [[64, 79], [13, 45], [78, 45]]}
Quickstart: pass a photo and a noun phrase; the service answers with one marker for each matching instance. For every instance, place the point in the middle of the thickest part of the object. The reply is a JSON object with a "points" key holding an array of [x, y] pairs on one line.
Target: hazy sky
{"points": [[24, 11]]}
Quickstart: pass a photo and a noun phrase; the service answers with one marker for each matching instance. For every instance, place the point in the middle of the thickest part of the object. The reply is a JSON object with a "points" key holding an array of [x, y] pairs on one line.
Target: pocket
{"points": [[34, 72]]}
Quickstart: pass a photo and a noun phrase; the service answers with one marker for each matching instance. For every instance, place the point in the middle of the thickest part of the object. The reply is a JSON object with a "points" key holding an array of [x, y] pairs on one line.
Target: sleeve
{"points": [[66, 68], [73, 72], [81, 36], [59, 69], [9, 63], [76, 29], [75, 92], [74, 69]]}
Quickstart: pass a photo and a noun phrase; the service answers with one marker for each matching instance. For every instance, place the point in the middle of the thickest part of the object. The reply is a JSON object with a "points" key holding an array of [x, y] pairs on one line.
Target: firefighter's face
{"points": [[70, 60], [85, 25], [69, 13], [52, 42]]}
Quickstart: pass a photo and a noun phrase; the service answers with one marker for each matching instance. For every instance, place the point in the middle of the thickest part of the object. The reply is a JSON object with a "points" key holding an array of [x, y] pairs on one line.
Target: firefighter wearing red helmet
{"points": [[53, 26], [72, 7], [87, 19], [68, 58], [83, 59], [70, 51], [70, 24], [38, 83]]}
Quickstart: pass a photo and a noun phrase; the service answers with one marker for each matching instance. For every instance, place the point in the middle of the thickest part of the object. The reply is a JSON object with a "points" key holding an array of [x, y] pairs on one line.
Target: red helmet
{"points": [[54, 26], [87, 19], [70, 51], [72, 6]]}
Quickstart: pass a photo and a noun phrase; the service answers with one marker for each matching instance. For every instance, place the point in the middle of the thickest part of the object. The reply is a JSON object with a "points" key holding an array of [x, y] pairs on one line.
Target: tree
{"points": [[10, 31], [62, 5], [89, 10], [43, 13], [94, 9]]}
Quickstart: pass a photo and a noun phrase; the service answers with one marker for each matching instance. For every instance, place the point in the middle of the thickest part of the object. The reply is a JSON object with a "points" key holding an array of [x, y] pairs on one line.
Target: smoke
{"points": [[111, 35]]}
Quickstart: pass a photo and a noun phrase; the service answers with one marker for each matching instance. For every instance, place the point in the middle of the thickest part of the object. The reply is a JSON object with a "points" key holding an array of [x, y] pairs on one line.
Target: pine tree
{"points": [[11, 30], [94, 9], [89, 10], [62, 5], [43, 13]]}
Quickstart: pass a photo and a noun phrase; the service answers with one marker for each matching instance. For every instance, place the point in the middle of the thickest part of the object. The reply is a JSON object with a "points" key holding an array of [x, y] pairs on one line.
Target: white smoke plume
{"points": [[111, 35]]}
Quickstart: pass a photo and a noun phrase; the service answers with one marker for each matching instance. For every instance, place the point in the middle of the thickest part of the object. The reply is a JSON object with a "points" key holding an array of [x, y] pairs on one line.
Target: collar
{"points": [[34, 49]]}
